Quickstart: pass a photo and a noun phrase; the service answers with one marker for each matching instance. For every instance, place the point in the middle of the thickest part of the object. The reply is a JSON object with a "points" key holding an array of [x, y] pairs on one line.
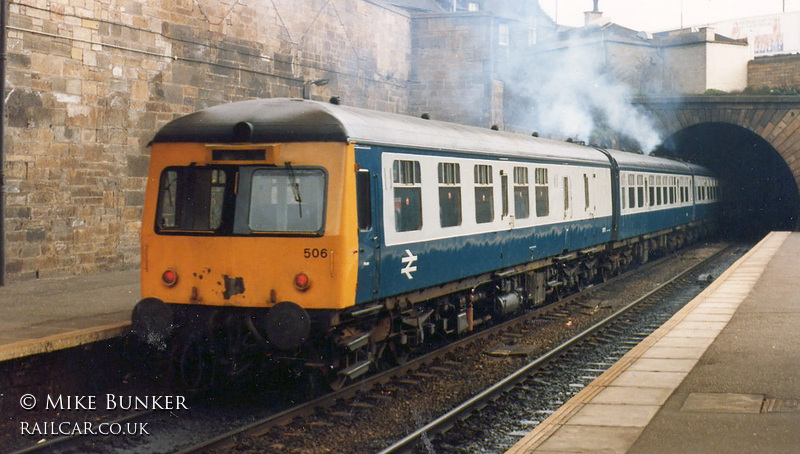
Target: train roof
{"points": [[277, 120], [633, 161]]}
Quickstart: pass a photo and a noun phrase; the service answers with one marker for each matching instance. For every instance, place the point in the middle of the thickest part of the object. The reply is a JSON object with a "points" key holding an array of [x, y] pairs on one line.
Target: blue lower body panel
{"points": [[636, 224], [415, 266]]}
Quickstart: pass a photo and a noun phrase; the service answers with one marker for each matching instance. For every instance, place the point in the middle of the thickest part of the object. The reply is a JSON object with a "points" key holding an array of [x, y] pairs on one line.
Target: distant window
{"points": [[503, 35], [449, 194], [522, 205], [473, 7], [542, 193], [484, 194], [407, 195]]}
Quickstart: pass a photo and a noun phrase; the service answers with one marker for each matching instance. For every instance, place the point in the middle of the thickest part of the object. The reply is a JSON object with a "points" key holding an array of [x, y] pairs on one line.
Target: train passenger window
{"points": [[287, 200], [671, 196], [566, 194], [484, 194], [407, 195], [653, 196], [664, 192], [640, 196], [363, 200], [542, 193], [522, 205], [632, 197], [449, 194]]}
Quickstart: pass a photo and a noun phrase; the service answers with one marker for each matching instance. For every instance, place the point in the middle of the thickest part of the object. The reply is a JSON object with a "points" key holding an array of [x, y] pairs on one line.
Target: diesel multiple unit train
{"points": [[330, 238]]}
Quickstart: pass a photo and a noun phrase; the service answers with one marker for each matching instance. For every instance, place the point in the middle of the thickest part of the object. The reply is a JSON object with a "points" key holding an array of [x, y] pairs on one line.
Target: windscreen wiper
{"points": [[295, 187]]}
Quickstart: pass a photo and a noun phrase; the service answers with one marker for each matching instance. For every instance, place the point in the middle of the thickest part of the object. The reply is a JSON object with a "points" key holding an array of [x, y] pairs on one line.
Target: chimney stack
{"points": [[594, 15]]}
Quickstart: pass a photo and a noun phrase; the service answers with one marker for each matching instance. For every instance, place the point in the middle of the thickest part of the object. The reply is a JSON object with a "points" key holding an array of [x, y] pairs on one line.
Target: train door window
{"points": [[542, 193], [484, 194], [640, 190], [586, 191], [522, 203], [407, 195], [504, 193], [363, 200], [449, 194], [566, 195]]}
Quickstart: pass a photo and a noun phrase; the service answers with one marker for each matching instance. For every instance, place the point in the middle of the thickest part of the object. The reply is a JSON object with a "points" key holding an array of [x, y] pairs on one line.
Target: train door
{"points": [[369, 226]]}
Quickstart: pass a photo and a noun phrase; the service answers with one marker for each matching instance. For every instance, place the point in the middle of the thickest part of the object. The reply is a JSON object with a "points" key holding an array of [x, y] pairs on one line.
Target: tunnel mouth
{"points": [[758, 191]]}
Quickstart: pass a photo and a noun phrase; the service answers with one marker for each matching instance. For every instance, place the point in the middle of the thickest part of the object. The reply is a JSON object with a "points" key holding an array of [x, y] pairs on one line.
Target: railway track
{"points": [[364, 394]]}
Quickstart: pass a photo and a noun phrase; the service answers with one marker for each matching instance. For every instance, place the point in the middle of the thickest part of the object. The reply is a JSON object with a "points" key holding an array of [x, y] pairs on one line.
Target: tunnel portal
{"points": [[758, 190]]}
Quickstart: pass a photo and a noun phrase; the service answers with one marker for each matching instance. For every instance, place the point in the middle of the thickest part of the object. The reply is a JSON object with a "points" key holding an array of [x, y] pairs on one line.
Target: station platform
{"points": [[722, 375], [56, 313]]}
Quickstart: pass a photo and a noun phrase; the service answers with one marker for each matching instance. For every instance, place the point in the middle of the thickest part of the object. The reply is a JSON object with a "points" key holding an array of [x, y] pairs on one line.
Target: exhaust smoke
{"points": [[572, 93]]}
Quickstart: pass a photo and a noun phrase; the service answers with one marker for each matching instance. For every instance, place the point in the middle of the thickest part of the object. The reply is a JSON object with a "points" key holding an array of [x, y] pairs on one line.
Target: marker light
{"points": [[302, 281], [169, 278]]}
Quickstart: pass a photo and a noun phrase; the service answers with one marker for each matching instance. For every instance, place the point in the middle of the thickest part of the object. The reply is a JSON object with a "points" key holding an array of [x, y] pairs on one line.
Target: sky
{"points": [[660, 15]]}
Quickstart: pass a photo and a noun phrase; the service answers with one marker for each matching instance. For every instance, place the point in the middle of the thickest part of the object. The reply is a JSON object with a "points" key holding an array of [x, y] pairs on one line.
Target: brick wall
{"points": [[89, 82], [779, 72]]}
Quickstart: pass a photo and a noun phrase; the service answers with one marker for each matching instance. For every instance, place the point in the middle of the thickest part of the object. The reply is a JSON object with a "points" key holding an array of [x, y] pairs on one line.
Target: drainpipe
{"points": [[3, 21]]}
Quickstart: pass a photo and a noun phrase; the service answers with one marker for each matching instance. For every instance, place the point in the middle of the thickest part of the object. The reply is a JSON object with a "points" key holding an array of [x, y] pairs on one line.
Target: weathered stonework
{"points": [[89, 82], [779, 72], [453, 69]]}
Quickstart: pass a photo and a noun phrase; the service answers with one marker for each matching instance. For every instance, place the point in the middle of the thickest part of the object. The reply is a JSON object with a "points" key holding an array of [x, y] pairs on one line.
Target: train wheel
{"points": [[193, 364]]}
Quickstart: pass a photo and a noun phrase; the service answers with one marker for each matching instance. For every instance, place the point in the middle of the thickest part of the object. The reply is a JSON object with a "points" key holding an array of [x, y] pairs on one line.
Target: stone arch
{"points": [[758, 129]]}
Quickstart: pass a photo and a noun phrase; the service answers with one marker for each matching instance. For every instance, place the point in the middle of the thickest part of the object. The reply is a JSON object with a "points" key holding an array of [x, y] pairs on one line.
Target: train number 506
{"points": [[315, 253]]}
